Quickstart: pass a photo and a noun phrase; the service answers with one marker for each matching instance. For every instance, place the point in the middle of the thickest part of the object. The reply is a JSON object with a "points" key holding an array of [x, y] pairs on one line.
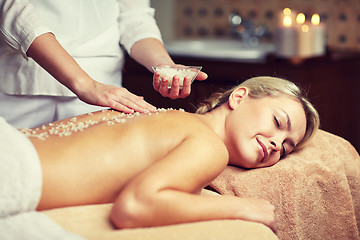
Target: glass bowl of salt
{"points": [[169, 72]]}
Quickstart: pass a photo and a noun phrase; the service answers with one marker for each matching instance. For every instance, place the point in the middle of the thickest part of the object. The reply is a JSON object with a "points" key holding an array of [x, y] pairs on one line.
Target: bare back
{"points": [[92, 165]]}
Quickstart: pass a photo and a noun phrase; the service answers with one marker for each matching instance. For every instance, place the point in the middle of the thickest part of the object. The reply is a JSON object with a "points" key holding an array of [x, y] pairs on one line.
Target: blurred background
{"points": [[234, 40], [180, 19]]}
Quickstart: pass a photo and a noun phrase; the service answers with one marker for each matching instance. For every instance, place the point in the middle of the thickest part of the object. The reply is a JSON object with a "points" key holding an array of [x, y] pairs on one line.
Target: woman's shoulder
{"points": [[201, 135], [188, 125], [185, 121]]}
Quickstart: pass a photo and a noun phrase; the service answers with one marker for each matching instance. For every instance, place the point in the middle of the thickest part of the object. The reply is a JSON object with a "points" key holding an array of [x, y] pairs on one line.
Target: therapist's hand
{"points": [[151, 52], [117, 98], [175, 91]]}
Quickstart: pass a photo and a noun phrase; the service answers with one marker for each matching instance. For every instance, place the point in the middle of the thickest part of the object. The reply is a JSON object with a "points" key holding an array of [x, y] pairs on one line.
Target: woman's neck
{"points": [[215, 119]]}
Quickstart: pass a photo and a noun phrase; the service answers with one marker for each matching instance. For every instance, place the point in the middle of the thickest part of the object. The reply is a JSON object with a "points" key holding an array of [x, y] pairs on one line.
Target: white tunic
{"points": [[91, 31]]}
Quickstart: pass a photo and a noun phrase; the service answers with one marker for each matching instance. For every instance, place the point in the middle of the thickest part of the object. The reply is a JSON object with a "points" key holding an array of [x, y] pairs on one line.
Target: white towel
{"points": [[20, 190]]}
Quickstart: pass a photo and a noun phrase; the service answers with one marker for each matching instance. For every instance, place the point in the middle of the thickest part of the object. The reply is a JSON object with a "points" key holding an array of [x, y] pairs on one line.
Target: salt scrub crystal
{"points": [[182, 72], [71, 126]]}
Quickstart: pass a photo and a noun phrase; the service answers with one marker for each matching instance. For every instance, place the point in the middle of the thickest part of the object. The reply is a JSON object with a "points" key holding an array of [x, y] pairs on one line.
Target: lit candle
{"points": [[318, 35], [285, 35], [305, 37], [300, 18], [287, 11]]}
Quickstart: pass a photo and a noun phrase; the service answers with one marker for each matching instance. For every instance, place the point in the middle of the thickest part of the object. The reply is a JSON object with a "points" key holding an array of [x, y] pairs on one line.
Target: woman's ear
{"points": [[237, 96]]}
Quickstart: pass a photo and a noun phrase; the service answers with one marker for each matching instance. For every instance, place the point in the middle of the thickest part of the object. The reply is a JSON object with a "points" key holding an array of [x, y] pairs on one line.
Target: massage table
{"points": [[316, 192]]}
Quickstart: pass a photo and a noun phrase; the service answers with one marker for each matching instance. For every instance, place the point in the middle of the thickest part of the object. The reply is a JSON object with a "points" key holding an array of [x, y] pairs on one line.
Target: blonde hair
{"points": [[269, 87]]}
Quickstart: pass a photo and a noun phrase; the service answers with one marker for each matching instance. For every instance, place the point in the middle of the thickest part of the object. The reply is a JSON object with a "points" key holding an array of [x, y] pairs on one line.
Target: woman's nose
{"points": [[275, 145]]}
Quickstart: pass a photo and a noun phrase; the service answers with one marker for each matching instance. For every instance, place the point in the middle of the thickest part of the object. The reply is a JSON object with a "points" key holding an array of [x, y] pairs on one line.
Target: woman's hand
{"points": [[117, 98], [175, 91], [256, 210]]}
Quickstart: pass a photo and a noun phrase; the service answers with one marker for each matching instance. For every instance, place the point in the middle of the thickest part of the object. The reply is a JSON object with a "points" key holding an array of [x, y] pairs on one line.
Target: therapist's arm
{"points": [[50, 55], [151, 52]]}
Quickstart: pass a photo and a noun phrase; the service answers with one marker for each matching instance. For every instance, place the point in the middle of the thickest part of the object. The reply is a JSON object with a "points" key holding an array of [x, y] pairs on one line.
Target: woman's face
{"points": [[261, 131]]}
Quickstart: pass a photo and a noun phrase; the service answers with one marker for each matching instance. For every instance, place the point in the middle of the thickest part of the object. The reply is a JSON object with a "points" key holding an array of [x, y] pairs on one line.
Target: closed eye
{"points": [[283, 151], [277, 124]]}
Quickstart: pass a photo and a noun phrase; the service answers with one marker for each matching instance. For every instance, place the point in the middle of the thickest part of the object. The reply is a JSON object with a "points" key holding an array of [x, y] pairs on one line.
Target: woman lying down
{"points": [[153, 166]]}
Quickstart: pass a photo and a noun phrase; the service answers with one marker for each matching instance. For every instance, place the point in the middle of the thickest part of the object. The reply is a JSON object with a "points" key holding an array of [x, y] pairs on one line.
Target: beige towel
{"points": [[316, 190]]}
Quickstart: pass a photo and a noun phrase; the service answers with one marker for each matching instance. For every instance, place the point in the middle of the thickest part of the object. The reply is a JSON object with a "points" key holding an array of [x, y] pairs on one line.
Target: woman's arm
{"points": [[166, 192], [50, 55]]}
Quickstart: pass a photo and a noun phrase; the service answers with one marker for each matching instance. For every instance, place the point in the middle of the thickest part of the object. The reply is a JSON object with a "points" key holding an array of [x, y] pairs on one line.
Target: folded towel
{"points": [[20, 190], [20, 172]]}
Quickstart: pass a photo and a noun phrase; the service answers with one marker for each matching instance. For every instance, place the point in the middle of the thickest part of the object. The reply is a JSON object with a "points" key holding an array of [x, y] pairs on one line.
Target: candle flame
{"points": [[287, 22], [300, 18], [287, 11], [305, 28], [315, 19]]}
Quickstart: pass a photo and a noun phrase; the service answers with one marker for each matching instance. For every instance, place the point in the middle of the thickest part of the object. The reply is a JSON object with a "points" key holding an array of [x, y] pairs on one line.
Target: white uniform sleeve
{"points": [[19, 24], [136, 22]]}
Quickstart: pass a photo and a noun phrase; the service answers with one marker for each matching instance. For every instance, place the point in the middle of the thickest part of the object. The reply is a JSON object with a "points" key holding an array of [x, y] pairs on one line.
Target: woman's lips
{"points": [[263, 150]]}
